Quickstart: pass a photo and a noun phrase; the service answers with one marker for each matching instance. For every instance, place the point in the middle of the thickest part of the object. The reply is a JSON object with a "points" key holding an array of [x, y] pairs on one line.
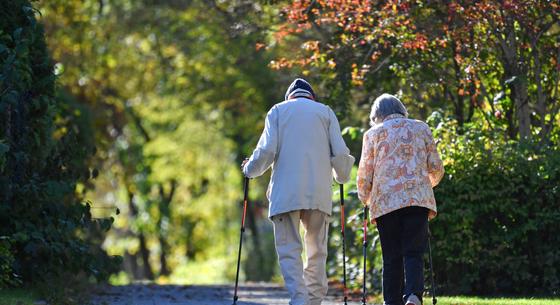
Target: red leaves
{"points": [[420, 42], [460, 32]]}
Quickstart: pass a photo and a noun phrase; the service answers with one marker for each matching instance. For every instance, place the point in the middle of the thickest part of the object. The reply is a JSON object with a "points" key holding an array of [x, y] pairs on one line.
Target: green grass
{"points": [[460, 300], [16, 297]]}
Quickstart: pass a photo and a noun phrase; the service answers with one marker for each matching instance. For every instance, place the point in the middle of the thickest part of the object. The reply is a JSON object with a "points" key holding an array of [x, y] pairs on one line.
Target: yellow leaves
{"points": [[59, 133], [170, 51], [358, 74], [280, 63], [144, 46], [111, 62]]}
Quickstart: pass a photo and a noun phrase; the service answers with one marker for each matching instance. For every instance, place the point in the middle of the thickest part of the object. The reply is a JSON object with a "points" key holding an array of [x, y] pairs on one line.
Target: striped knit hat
{"points": [[300, 88]]}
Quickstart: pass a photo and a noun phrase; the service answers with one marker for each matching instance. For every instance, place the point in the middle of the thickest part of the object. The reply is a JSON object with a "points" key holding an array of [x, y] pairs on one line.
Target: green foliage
{"points": [[6, 262], [461, 300], [44, 153], [174, 111], [496, 231], [17, 296]]}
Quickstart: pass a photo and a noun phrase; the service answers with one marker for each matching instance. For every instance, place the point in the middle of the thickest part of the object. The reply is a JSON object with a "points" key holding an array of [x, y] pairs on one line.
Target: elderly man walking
{"points": [[303, 144]]}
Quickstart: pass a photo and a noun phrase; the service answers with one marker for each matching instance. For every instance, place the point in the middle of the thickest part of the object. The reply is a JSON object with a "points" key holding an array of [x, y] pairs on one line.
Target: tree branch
{"points": [[138, 123]]}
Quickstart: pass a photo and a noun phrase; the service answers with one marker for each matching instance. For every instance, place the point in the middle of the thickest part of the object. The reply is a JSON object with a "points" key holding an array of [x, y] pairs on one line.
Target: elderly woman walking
{"points": [[398, 168]]}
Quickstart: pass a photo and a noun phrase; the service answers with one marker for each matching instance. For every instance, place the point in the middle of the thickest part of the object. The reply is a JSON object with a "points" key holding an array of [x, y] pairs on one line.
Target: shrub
{"points": [[6, 262], [44, 153], [498, 223]]}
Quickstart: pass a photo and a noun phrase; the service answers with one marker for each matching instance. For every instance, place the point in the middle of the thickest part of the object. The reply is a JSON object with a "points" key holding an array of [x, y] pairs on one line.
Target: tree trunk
{"points": [[522, 109], [458, 103], [7, 187], [541, 98], [144, 252], [130, 264], [165, 214], [516, 74], [162, 256]]}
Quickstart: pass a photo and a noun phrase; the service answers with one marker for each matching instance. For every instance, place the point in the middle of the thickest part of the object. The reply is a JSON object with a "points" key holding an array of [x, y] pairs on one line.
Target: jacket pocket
{"points": [[280, 229]]}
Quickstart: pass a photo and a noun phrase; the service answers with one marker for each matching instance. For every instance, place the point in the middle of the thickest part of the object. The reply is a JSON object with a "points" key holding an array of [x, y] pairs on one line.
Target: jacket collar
{"points": [[393, 116]]}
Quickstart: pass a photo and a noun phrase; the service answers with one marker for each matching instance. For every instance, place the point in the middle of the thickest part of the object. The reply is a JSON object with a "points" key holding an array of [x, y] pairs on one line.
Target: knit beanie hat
{"points": [[300, 88]]}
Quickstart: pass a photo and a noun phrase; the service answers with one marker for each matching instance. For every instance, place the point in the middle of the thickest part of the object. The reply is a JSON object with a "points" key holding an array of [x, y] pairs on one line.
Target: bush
{"points": [[44, 153], [498, 223], [6, 262]]}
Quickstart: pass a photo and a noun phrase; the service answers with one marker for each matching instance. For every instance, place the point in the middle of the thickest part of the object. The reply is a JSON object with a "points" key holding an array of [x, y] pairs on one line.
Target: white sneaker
{"points": [[413, 300]]}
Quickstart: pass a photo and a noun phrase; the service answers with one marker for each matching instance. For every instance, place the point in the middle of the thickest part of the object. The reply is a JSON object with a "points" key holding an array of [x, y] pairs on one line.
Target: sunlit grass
{"points": [[202, 273], [121, 278], [16, 297], [462, 300]]}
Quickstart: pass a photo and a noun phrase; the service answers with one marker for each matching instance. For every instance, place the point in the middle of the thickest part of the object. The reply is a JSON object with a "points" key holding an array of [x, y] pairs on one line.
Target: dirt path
{"points": [[249, 294]]}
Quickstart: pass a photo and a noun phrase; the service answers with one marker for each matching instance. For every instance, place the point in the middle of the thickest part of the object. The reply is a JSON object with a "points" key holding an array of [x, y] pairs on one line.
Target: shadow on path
{"points": [[151, 294]]}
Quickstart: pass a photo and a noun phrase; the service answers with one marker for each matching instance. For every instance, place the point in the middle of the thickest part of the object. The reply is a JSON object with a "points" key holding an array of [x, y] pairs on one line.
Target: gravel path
{"points": [[149, 294]]}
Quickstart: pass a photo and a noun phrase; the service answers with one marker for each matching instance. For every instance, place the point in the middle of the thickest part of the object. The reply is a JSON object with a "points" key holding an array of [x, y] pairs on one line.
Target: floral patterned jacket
{"points": [[399, 166]]}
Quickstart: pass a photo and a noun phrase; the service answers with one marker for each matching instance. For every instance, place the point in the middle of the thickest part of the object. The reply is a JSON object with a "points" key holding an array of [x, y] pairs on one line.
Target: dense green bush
{"points": [[44, 153], [6, 262], [498, 223]]}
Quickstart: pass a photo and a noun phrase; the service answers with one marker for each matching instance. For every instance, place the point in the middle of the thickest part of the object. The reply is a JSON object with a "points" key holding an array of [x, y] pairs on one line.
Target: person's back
{"points": [[302, 172], [303, 143], [401, 164]]}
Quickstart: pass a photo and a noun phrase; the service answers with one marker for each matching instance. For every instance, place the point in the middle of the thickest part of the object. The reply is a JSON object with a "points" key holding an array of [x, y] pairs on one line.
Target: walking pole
{"points": [[342, 227], [434, 299], [364, 292], [245, 196]]}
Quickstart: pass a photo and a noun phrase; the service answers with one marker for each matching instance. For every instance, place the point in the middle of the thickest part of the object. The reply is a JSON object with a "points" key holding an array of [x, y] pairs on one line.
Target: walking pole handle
{"points": [[245, 199]]}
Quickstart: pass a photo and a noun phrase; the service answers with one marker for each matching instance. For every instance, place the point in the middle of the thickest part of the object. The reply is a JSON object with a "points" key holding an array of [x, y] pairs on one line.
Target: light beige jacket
{"points": [[399, 166], [302, 142]]}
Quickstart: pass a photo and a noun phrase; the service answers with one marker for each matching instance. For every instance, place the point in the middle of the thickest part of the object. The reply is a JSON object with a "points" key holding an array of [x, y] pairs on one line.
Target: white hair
{"points": [[385, 105]]}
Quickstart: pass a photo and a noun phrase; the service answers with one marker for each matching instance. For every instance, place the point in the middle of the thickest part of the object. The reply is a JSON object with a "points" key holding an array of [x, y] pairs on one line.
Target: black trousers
{"points": [[404, 236]]}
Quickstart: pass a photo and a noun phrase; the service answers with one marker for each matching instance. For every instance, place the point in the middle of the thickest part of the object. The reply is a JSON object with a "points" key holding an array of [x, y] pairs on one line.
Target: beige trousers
{"points": [[306, 285]]}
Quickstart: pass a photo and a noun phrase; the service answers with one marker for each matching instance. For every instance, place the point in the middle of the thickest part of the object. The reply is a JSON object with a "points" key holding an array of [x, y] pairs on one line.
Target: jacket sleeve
{"points": [[434, 163], [264, 154], [365, 170], [341, 160]]}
